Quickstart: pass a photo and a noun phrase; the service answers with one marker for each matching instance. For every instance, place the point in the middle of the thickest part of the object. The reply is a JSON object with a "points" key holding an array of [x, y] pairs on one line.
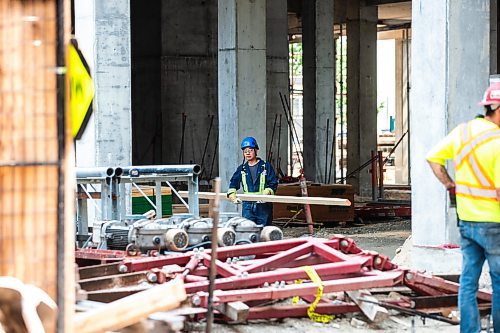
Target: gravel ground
{"points": [[384, 237]]}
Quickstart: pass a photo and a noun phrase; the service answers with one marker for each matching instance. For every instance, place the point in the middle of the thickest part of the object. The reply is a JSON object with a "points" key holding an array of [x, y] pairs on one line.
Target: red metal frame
{"points": [[268, 271]]}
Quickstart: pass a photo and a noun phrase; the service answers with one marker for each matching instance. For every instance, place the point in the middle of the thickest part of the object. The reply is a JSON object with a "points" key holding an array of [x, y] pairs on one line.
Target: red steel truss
{"points": [[260, 272]]}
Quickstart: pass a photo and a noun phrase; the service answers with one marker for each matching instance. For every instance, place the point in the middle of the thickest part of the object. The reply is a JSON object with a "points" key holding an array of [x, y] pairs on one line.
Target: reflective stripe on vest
{"points": [[466, 155], [479, 193], [262, 181], [478, 173], [469, 147]]}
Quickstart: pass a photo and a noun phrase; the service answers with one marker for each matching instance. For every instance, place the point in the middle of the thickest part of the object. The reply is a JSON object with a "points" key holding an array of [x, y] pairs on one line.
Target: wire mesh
{"points": [[28, 142]]}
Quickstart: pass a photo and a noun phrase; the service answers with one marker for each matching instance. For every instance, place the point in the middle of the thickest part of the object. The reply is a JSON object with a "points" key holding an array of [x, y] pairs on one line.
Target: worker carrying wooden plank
{"points": [[475, 149], [256, 177]]}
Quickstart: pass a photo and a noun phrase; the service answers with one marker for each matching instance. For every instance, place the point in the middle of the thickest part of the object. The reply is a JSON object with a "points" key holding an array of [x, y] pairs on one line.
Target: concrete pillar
{"points": [[494, 36], [319, 87], [451, 68], [242, 80], [103, 29], [361, 91], [277, 81], [402, 109]]}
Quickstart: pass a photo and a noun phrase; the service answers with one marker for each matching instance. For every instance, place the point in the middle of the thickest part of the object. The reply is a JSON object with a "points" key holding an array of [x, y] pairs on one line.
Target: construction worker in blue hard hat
{"points": [[256, 177]]}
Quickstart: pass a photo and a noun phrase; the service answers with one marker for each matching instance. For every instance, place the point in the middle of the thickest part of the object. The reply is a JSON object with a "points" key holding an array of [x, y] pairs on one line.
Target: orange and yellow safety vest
{"points": [[475, 150]]}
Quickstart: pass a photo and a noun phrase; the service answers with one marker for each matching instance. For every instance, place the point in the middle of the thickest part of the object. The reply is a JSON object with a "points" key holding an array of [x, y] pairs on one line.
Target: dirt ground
{"points": [[381, 236]]}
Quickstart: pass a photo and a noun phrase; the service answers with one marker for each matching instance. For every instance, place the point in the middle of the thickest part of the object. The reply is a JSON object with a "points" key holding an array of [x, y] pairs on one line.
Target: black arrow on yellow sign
{"points": [[81, 90]]}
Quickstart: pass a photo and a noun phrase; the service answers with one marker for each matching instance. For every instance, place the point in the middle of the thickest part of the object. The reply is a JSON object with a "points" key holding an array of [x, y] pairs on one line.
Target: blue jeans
{"points": [[260, 213], [480, 241]]}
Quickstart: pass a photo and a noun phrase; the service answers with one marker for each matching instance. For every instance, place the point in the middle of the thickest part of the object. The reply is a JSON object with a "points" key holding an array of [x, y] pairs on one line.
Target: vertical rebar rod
{"points": [[374, 175], [213, 269], [341, 63], [326, 148], [380, 175]]}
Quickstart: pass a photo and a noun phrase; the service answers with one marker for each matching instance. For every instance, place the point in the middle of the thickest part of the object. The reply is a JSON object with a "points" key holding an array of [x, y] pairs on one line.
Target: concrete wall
{"points": [[175, 82], [189, 81], [175, 77], [147, 113]]}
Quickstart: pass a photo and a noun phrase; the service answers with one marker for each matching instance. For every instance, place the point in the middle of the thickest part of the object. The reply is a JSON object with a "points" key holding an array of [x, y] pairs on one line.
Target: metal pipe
{"points": [[136, 171], [97, 172]]}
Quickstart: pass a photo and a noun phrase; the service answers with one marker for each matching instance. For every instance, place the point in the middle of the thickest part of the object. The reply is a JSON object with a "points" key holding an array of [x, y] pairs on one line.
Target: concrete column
{"points": [[361, 91], [277, 81], [402, 89], [319, 87], [103, 28], [242, 80], [494, 23], [451, 68]]}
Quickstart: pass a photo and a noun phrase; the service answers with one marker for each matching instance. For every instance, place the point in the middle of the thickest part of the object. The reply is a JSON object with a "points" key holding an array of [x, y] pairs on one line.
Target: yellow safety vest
{"points": [[262, 181], [475, 185]]}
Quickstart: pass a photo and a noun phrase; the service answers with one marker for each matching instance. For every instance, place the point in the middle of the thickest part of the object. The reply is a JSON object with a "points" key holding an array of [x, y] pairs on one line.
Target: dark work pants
{"points": [[260, 213]]}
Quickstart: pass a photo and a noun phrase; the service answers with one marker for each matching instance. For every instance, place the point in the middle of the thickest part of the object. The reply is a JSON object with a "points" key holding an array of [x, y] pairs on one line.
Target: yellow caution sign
{"points": [[81, 90]]}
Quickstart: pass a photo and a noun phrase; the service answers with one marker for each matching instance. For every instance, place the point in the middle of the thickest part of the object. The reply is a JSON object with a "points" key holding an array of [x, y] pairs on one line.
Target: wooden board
{"points": [[375, 313], [131, 309], [276, 198], [323, 214]]}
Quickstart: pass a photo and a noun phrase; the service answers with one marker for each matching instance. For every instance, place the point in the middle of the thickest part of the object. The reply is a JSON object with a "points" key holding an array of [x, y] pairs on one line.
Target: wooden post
{"points": [[214, 214], [307, 208]]}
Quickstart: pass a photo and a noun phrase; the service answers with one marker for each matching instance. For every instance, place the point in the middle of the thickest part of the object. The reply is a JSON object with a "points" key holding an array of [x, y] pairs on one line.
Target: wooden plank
{"points": [[236, 311], [373, 312], [131, 309], [276, 198]]}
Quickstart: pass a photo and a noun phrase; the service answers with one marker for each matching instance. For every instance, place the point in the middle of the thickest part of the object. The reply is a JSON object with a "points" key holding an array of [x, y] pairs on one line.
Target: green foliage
{"points": [[295, 57]]}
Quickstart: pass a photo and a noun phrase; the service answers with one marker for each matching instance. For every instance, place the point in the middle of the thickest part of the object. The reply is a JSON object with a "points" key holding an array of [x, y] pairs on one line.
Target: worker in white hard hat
{"points": [[256, 177], [474, 148]]}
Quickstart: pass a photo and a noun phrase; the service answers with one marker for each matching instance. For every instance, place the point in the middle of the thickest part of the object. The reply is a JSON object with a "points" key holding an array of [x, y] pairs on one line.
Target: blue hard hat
{"points": [[249, 142]]}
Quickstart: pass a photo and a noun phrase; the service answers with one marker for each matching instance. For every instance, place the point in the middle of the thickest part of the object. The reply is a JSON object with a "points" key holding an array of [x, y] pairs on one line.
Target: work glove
{"points": [[234, 198], [267, 191]]}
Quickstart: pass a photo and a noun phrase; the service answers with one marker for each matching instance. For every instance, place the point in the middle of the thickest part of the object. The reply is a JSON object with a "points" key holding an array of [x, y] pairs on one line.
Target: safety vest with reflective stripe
{"points": [[262, 181], [482, 186]]}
